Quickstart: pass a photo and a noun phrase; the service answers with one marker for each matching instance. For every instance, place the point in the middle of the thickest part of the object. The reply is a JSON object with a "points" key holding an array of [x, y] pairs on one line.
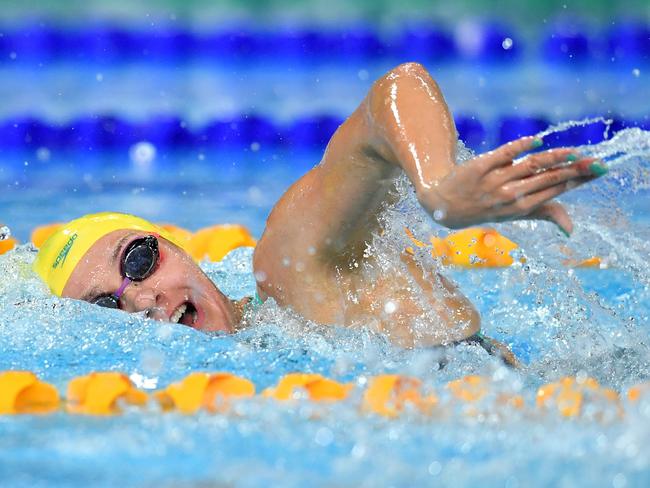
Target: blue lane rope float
{"points": [[628, 41], [564, 41], [106, 132]]}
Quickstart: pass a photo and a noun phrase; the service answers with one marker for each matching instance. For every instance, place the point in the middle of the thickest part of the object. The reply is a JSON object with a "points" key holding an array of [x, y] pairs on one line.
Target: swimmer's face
{"points": [[176, 284]]}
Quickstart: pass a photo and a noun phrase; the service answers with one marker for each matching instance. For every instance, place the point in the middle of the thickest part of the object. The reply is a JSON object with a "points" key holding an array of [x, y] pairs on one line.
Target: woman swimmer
{"points": [[323, 222]]}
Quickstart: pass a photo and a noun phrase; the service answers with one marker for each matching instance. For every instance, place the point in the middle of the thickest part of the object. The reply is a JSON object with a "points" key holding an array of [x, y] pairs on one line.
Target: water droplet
{"points": [[619, 481], [43, 154], [5, 233], [152, 361], [324, 436], [636, 72], [507, 43], [143, 153], [435, 468], [390, 307]]}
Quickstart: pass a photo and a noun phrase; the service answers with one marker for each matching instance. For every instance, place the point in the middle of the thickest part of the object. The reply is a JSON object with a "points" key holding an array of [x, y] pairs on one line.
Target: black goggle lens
{"points": [[140, 259], [107, 301]]}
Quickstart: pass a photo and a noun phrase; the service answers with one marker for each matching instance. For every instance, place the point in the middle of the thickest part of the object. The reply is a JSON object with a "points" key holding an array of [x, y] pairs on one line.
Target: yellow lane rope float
{"points": [[389, 395], [102, 393], [570, 397], [7, 245], [482, 247], [23, 392], [474, 393], [476, 247], [204, 390], [316, 387]]}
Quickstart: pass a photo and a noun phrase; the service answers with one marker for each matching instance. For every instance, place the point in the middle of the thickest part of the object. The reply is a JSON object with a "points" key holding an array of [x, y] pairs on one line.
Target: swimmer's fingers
{"points": [[539, 162], [528, 204], [552, 177], [503, 155], [553, 212]]}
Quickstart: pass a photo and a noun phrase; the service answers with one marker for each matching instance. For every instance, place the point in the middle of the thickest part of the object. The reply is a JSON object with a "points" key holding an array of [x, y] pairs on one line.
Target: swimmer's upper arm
{"points": [[320, 226]]}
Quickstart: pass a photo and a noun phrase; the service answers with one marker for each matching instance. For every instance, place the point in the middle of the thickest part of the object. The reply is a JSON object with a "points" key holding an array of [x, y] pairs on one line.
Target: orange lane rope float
{"points": [[23, 392], [316, 387], [389, 395], [102, 393], [481, 247], [203, 390], [573, 397], [476, 247], [475, 394], [7, 245], [215, 242], [639, 392]]}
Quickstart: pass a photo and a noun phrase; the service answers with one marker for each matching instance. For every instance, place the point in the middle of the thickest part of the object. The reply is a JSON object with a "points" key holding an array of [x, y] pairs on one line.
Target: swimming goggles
{"points": [[139, 261]]}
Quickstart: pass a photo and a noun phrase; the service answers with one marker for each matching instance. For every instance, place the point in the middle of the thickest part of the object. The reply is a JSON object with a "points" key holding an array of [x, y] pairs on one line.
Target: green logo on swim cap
{"points": [[60, 259]]}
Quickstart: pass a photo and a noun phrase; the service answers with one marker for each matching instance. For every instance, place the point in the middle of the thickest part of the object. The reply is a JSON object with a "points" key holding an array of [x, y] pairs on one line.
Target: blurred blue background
{"points": [[226, 85]]}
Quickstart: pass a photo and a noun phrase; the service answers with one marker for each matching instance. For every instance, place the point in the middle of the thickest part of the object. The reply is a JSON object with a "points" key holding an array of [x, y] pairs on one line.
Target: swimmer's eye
{"points": [[140, 258], [106, 301]]}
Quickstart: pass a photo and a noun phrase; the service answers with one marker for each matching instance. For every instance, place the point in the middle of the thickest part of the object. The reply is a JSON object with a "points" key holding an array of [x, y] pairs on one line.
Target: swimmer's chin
{"points": [[223, 324]]}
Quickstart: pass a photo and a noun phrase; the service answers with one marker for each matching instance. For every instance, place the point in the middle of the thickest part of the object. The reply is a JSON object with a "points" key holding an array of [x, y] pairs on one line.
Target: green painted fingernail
{"points": [[537, 142], [598, 169], [572, 157], [565, 232]]}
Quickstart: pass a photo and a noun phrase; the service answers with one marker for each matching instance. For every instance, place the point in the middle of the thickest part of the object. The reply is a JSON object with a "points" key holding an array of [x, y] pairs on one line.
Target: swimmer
{"points": [[311, 254]]}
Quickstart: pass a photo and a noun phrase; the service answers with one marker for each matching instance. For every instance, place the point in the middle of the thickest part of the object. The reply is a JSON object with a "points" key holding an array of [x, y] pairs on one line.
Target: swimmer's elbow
{"points": [[395, 102], [410, 75]]}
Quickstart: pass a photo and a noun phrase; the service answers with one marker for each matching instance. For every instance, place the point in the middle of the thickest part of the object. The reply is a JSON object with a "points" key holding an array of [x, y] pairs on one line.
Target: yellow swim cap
{"points": [[62, 251]]}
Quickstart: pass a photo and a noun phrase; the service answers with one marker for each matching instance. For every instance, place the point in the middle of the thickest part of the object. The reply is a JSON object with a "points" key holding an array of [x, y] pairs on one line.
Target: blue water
{"points": [[559, 321]]}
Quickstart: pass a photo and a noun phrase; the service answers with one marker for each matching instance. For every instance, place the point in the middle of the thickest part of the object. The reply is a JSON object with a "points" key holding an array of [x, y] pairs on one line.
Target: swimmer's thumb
{"points": [[556, 213]]}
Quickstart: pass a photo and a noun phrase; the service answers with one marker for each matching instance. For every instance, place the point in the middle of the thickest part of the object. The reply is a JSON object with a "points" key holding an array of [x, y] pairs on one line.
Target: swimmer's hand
{"points": [[494, 187]]}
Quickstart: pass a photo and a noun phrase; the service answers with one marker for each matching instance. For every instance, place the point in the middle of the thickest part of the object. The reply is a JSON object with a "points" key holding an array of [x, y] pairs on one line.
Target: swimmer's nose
{"points": [[144, 299]]}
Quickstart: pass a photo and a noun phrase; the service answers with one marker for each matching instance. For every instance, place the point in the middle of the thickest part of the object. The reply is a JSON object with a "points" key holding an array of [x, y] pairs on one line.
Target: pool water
{"points": [[559, 321], [58, 161]]}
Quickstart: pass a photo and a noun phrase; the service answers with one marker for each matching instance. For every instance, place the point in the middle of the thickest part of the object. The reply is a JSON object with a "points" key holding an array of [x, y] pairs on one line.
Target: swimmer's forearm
{"points": [[411, 125]]}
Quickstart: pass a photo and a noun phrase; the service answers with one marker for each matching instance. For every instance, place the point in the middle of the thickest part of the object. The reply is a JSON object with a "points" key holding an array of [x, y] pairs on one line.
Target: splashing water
{"points": [[5, 232], [559, 320]]}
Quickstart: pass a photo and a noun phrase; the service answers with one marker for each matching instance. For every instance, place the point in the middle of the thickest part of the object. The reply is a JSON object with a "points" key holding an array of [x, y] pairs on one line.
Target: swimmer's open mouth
{"points": [[185, 314]]}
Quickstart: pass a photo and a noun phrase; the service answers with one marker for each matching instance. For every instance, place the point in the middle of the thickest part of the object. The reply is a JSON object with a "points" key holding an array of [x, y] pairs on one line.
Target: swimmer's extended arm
{"points": [[321, 224], [412, 128]]}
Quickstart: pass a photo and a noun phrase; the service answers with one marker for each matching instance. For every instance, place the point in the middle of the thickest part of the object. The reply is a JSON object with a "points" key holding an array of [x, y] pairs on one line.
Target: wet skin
{"points": [[311, 256], [176, 281]]}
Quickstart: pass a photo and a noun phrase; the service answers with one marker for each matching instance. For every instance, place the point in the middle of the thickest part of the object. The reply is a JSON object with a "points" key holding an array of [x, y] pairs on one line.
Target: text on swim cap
{"points": [[60, 259]]}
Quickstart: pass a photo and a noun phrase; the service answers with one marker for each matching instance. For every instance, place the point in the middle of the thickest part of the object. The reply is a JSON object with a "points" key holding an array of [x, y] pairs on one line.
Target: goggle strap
{"points": [[121, 289]]}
